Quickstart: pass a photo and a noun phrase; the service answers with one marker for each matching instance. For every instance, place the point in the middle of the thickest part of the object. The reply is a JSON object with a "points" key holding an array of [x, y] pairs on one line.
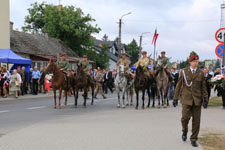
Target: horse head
{"points": [[51, 67], [121, 69], [80, 71]]}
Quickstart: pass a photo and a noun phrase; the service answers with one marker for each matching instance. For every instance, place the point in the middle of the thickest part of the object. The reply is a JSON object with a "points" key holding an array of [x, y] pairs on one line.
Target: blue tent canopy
{"points": [[8, 56]]}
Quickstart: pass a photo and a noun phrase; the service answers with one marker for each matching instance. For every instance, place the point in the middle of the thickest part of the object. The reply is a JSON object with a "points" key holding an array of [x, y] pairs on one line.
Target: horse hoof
{"points": [[153, 106], [136, 108], [118, 106], [92, 103], [127, 104], [123, 106], [59, 107], [164, 107], [131, 104]]}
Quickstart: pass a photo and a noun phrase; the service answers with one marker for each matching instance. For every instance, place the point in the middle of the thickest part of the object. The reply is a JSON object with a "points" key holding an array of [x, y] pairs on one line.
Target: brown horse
{"points": [[58, 82], [142, 82], [83, 81]]}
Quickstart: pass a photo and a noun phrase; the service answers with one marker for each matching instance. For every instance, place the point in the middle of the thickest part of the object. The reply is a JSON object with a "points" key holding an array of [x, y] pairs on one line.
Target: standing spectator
{"points": [[42, 80], [48, 83], [35, 80], [4, 82], [217, 88], [108, 81], [99, 79], [24, 81], [30, 81], [15, 83], [211, 72], [172, 86], [208, 85], [22, 76]]}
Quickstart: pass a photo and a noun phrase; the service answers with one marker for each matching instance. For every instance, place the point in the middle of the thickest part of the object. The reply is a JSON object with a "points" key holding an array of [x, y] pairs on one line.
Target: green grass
{"points": [[215, 102], [212, 141]]}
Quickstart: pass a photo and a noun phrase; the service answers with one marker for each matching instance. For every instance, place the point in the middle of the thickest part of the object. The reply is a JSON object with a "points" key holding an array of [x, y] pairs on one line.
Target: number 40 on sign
{"points": [[220, 35]]}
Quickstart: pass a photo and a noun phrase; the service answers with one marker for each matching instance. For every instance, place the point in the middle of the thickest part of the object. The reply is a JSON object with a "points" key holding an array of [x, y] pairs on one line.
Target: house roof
{"points": [[113, 57], [35, 44]]}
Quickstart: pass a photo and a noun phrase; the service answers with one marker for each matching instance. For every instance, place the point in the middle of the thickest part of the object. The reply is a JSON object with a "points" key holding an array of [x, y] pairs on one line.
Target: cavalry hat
{"points": [[144, 52], [63, 54], [193, 57], [163, 52], [84, 56], [123, 53]]}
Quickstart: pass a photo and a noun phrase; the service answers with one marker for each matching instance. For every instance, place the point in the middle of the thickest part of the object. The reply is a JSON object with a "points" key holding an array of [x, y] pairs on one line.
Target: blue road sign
{"points": [[219, 51]]}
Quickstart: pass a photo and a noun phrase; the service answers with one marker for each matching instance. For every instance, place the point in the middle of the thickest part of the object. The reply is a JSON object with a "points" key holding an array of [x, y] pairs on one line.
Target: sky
{"points": [[183, 25]]}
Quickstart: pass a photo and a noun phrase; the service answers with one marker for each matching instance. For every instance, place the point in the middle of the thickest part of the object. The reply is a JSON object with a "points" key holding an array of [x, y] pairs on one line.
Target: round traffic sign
{"points": [[220, 35], [219, 51]]}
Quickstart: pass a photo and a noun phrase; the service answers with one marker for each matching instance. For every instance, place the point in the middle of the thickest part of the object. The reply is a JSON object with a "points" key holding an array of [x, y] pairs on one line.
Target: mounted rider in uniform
{"points": [[123, 61], [144, 62], [166, 63], [85, 64], [63, 65]]}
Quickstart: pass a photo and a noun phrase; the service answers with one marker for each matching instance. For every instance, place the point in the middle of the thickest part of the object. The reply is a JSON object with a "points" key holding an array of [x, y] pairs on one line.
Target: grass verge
{"points": [[212, 141], [215, 102]]}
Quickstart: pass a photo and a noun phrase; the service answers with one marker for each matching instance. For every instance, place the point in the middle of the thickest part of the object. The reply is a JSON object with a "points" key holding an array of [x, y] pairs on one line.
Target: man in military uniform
{"points": [[166, 63], [144, 62], [124, 61], [99, 81], [193, 95], [63, 63], [85, 64]]}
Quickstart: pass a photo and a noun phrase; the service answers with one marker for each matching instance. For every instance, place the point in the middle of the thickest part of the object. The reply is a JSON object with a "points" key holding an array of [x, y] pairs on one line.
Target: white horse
{"points": [[121, 83]]}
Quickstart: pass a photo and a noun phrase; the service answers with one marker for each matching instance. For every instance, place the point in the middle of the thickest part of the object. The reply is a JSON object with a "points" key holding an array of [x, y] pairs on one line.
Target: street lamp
{"points": [[120, 25], [140, 46]]}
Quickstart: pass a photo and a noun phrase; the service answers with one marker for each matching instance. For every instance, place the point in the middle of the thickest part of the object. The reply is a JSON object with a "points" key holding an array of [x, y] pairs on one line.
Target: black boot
{"points": [[184, 137], [194, 144]]}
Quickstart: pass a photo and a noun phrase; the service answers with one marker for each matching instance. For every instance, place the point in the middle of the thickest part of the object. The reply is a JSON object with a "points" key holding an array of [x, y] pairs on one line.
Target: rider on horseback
{"points": [[124, 61], [85, 65], [144, 62], [63, 65], [165, 63]]}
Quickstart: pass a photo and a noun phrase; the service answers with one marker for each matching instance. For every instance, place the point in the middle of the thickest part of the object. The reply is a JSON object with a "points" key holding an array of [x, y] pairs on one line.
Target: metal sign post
{"points": [[223, 61]]}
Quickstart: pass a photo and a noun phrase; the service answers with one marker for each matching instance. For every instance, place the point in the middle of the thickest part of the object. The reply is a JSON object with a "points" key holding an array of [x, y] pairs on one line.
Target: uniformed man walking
{"points": [[99, 80], [63, 63], [191, 87]]}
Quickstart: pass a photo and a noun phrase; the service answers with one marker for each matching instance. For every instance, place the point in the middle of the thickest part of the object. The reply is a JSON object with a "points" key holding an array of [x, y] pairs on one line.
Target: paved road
{"points": [[34, 124]]}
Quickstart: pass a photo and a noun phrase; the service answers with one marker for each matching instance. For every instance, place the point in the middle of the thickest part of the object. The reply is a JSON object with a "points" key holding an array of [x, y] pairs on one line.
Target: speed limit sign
{"points": [[220, 35]]}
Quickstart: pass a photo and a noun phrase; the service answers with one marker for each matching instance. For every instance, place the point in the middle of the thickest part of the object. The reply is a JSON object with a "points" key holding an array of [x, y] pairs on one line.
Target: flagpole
{"points": [[154, 55]]}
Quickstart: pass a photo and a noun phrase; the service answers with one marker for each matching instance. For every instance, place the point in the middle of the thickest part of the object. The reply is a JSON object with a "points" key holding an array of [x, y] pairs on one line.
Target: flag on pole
{"points": [[155, 37]]}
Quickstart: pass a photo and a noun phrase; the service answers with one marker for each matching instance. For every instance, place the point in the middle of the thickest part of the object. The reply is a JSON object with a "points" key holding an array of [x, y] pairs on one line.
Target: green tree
{"points": [[105, 38], [133, 50], [68, 24], [217, 65], [101, 59]]}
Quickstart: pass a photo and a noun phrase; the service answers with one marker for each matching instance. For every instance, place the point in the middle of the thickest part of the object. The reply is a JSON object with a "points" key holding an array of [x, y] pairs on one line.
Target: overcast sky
{"points": [[183, 25]]}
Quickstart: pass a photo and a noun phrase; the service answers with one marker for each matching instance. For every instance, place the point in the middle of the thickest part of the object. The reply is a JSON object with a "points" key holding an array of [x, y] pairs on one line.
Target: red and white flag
{"points": [[155, 37]]}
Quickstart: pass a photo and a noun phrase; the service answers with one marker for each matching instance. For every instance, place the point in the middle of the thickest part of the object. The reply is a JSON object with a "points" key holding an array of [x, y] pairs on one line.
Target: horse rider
{"points": [[144, 62], [63, 65], [165, 63], [85, 64], [125, 62]]}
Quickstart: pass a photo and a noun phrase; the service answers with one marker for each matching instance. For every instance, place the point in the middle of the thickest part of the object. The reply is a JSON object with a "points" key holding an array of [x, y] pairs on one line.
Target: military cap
{"points": [[84, 56], [163, 52], [193, 57], [144, 52], [63, 54]]}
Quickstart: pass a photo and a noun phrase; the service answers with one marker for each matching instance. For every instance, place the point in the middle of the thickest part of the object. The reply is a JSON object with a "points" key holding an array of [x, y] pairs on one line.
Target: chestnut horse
{"points": [[58, 82], [83, 81]]}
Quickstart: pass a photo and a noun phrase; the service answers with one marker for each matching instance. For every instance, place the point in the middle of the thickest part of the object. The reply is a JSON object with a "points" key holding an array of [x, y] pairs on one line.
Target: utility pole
{"points": [[119, 42], [223, 60], [120, 27], [140, 45]]}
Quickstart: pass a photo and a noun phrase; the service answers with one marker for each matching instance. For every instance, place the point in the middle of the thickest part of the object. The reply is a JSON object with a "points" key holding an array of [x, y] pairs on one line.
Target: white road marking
{"points": [[97, 100], [31, 108], [4, 111]]}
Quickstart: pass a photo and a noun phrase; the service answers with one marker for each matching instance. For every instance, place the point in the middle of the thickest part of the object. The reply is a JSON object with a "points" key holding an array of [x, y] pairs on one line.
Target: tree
{"points": [[105, 38], [217, 65], [133, 50], [101, 59], [68, 24]]}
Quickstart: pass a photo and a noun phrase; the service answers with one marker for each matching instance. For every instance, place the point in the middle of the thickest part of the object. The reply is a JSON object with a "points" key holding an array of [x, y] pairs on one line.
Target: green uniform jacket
{"points": [[165, 61], [63, 64], [85, 65], [194, 93]]}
